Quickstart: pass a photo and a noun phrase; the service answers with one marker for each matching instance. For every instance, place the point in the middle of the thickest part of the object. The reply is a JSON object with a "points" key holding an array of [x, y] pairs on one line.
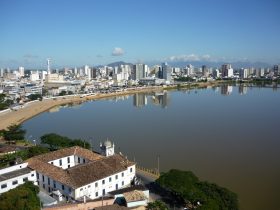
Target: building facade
{"points": [[78, 172]]}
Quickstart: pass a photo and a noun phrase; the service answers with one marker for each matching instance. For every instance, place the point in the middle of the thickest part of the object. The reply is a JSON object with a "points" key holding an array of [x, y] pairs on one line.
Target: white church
{"points": [[75, 172]]}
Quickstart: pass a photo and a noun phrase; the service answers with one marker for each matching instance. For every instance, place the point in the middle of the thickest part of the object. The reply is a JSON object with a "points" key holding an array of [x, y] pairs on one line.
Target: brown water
{"points": [[227, 135]]}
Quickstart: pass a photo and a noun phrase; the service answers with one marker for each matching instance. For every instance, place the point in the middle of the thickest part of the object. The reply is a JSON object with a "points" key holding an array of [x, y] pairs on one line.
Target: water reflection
{"points": [[156, 98]]}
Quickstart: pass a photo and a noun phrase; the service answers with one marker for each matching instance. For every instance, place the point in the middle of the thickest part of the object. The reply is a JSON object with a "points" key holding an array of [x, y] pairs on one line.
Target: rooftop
{"points": [[14, 174], [97, 168], [134, 196], [129, 189]]}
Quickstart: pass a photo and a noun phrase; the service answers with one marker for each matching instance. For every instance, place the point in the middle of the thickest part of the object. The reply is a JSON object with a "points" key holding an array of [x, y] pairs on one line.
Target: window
{"points": [[54, 184], [96, 194], [96, 184], [122, 183], [68, 166], [79, 160], [68, 160], [81, 189], [44, 186], [84, 160], [110, 179], [25, 179], [116, 176], [48, 181], [43, 178], [62, 186], [32, 175], [15, 182], [117, 186], [52, 163], [37, 175], [88, 186], [69, 190], [103, 181], [130, 169], [60, 162], [103, 192], [122, 174]]}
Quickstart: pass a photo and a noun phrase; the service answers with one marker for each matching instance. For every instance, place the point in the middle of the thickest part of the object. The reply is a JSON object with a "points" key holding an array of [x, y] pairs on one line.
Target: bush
{"points": [[22, 197]]}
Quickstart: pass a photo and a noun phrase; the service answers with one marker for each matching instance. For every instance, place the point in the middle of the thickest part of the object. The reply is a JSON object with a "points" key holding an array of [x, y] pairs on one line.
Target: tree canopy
{"points": [[22, 197], [5, 103], [9, 159], [56, 141], [14, 132], [188, 186], [157, 205], [36, 96]]}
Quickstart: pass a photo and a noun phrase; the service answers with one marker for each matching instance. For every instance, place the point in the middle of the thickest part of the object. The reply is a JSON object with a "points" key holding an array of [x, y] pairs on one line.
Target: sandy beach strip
{"points": [[32, 109]]}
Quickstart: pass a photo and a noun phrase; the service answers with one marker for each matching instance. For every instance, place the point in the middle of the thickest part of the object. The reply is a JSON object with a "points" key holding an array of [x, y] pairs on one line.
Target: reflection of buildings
{"points": [[161, 98], [243, 90], [157, 98], [226, 90], [140, 99]]}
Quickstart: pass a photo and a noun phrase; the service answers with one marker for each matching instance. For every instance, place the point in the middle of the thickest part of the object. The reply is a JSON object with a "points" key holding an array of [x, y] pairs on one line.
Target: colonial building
{"points": [[11, 177], [77, 172]]}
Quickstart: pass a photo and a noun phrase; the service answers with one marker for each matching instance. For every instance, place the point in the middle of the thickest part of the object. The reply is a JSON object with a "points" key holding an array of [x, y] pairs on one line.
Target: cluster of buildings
{"points": [[18, 84], [77, 174]]}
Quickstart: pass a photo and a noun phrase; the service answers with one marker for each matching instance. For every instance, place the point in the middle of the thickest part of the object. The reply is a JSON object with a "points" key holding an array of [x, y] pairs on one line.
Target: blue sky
{"points": [[78, 32]]}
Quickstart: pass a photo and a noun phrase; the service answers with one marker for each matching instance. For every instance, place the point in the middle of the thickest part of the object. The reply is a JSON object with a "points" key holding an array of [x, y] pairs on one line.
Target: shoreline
{"points": [[37, 107]]}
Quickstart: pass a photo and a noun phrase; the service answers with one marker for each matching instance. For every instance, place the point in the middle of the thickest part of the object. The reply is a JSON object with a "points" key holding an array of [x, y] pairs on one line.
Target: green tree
{"points": [[62, 93], [36, 96], [157, 205], [14, 132], [23, 197], [5, 103], [56, 141], [188, 186]]}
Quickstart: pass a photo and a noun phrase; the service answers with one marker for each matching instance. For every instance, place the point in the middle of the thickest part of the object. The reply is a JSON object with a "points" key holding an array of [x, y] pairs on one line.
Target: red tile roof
{"points": [[97, 168]]}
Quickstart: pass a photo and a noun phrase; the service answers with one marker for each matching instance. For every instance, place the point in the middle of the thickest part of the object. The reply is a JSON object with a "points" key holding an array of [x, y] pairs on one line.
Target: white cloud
{"points": [[190, 57], [117, 51]]}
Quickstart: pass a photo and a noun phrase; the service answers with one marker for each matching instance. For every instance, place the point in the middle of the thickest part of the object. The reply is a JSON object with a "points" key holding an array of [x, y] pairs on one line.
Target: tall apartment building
{"points": [[139, 71], [227, 71]]}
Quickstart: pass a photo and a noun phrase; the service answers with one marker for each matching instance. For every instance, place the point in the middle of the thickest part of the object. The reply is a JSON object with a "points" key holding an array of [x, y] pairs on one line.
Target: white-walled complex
{"points": [[78, 172]]}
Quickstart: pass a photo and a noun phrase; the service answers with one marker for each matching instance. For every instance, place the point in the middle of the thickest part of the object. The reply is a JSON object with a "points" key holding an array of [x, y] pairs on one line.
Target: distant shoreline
{"points": [[37, 107]]}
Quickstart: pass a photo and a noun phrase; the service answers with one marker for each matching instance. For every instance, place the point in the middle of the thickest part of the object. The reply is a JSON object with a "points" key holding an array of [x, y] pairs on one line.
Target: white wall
{"points": [[124, 179], [73, 161], [12, 183]]}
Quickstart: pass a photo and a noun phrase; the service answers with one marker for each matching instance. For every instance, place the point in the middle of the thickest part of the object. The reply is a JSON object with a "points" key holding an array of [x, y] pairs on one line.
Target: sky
{"points": [[98, 32]]}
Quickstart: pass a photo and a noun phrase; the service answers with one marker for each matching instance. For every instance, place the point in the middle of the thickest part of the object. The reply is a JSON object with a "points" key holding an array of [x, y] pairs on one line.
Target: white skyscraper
{"points": [[48, 65], [21, 71], [243, 73]]}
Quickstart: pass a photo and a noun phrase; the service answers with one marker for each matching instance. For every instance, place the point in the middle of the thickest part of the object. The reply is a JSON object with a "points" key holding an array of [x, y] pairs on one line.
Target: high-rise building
{"points": [[48, 66], [216, 73], [205, 71], [243, 73], [276, 70], [139, 71], [1, 72], [227, 71], [21, 71], [166, 71], [188, 70]]}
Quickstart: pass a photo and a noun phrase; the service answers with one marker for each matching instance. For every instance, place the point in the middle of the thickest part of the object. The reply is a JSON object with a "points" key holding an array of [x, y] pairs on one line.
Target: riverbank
{"points": [[34, 108]]}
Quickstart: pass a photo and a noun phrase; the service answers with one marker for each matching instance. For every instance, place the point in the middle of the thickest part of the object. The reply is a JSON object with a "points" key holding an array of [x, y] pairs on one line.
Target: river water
{"points": [[228, 135]]}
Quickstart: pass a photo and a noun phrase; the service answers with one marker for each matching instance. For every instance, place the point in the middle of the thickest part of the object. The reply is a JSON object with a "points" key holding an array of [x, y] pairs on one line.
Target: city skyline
{"points": [[101, 32]]}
